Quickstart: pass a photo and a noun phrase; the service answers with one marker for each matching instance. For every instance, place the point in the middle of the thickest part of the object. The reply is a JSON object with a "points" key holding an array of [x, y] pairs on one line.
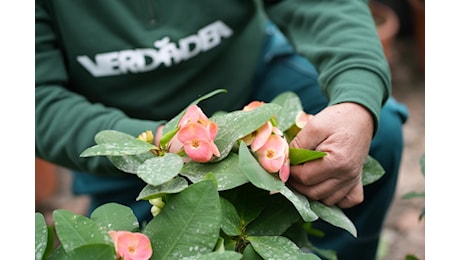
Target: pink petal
{"points": [[271, 165], [215, 150], [274, 143], [253, 105], [131, 245], [193, 114], [261, 136], [285, 171], [192, 131], [199, 150], [272, 154], [175, 146], [212, 129]]}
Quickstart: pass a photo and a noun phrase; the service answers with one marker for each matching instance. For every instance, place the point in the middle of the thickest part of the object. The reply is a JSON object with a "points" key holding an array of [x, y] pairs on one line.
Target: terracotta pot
{"points": [[387, 23], [45, 180], [418, 15]]}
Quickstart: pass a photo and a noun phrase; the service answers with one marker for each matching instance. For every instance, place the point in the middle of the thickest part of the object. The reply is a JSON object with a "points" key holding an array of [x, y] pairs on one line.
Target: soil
{"points": [[404, 232]]}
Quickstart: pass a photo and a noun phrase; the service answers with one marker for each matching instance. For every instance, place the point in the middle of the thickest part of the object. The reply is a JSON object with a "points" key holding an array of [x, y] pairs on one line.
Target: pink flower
{"points": [[194, 114], [198, 144], [269, 144], [131, 245], [273, 156], [195, 136], [253, 105], [259, 137]]}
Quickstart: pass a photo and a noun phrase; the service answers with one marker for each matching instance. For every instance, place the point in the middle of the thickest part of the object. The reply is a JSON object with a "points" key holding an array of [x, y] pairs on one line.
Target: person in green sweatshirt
{"points": [[132, 65]]}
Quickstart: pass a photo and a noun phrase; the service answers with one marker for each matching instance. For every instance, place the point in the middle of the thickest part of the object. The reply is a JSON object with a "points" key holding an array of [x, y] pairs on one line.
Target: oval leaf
{"points": [[175, 185], [255, 173], [277, 247], [130, 163], [41, 236], [188, 224], [225, 255], [290, 106], [301, 203], [114, 216], [159, 170], [372, 171], [333, 215], [237, 124], [231, 222], [300, 155], [275, 219], [227, 172], [75, 230]]}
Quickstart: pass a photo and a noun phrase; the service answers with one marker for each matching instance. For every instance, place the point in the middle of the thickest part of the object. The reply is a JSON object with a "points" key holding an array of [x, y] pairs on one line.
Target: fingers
{"points": [[333, 192], [339, 185], [353, 198]]}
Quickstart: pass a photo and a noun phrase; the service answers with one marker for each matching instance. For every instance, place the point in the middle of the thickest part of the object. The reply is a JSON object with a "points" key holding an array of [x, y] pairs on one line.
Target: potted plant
{"points": [[217, 187]]}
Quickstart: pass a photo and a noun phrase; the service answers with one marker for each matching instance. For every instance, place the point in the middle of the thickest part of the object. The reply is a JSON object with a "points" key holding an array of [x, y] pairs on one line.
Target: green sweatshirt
{"points": [[131, 65]]}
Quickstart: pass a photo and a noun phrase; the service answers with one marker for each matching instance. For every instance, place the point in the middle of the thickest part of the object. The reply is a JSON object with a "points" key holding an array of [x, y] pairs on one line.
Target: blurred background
{"points": [[401, 27]]}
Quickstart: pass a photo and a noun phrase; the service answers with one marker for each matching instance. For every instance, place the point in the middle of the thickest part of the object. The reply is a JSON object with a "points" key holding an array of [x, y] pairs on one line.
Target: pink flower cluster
{"points": [[270, 146], [195, 136], [131, 245]]}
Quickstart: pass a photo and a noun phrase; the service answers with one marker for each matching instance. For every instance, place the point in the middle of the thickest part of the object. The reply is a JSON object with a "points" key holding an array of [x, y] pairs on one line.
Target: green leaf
{"points": [[92, 251], [189, 223], [300, 155], [333, 215], [248, 200], [275, 219], [159, 170], [168, 136], [299, 233], [372, 171], [227, 172], [175, 185], [301, 203], [231, 223], [290, 106], [114, 143], [130, 163], [237, 124], [422, 164], [278, 247], [250, 254], [114, 216], [41, 236], [75, 230], [413, 194], [255, 173], [225, 255], [110, 136], [169, 126]]}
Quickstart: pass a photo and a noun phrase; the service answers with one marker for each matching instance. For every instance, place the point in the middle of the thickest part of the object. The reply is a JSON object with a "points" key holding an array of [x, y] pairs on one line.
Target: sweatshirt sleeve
{"points": [[66, 122], [339, 37]]}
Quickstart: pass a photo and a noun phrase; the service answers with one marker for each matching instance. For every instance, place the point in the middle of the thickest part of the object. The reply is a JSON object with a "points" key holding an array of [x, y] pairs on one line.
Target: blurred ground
{"points": [[403, 234]]}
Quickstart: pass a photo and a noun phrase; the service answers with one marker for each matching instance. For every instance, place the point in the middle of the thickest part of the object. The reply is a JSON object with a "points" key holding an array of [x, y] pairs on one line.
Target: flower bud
{"points": [[146, 136]]}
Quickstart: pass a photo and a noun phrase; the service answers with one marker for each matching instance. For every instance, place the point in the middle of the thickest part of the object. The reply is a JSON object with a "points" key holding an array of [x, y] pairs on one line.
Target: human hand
{"points": [[344, 131]]}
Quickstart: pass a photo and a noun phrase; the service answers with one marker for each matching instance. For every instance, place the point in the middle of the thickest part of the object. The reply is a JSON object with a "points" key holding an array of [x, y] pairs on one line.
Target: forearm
{"points": [[346, 51], [66, 123]]}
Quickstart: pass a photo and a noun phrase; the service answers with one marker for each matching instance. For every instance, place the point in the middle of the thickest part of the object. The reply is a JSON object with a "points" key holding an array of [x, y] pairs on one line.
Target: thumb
{"points": [[310, 136]]}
